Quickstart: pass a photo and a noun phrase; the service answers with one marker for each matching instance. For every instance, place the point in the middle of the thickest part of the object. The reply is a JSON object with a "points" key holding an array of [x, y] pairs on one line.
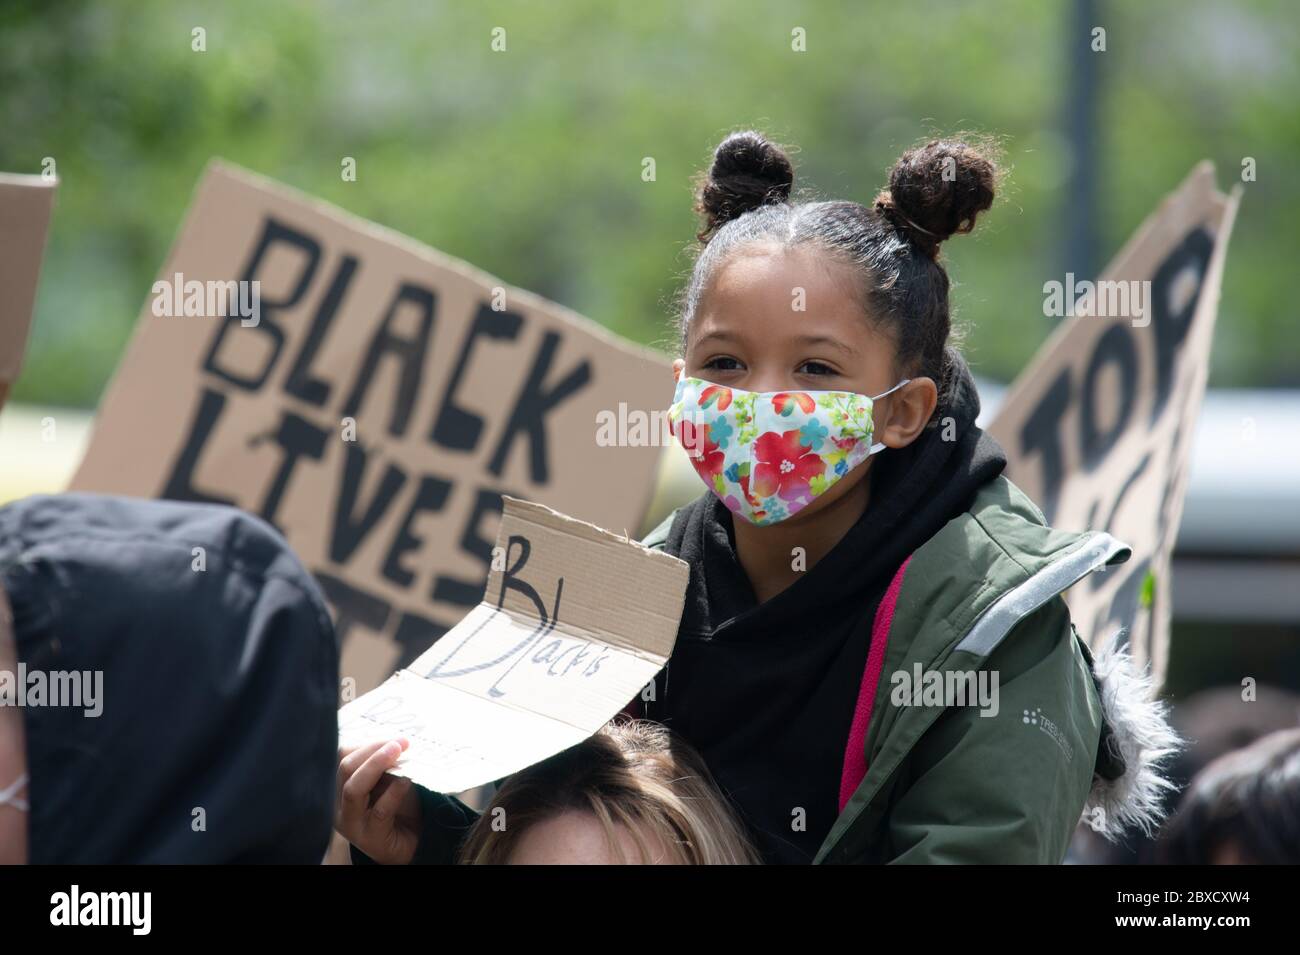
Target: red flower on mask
{"points": [[785, 403], [700, 448], [719, 395], [784, 466]]}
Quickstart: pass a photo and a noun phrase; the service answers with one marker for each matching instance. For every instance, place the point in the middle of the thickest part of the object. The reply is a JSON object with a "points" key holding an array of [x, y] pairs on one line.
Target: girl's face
{"points": [[787, 320]]}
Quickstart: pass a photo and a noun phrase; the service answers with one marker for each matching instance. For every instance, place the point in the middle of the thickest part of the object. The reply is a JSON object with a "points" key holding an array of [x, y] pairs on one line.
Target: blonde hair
{"points": [[634, 777]]}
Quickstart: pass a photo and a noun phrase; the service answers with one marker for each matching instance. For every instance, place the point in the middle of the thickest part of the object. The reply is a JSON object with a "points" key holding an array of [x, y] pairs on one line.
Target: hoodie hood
{"points": [[204, 727]]}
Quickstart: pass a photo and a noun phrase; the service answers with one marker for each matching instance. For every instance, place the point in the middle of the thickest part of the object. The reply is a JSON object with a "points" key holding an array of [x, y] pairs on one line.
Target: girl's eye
{"points": [[816, 368], [723, 363]]}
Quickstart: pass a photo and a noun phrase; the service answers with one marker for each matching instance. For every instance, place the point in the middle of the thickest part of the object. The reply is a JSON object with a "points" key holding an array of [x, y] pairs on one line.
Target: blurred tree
{"points": [[528, 162]]}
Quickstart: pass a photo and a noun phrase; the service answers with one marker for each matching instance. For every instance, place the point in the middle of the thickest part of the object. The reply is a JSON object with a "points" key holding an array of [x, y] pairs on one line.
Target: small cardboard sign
{"points": [[1098, 429], [371, 398], [575, 622], [26, 203]]}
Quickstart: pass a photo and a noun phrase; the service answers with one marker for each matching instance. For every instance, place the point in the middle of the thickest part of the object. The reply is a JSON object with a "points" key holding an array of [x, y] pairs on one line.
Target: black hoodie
{"points": [[766, 692], [217, 736]]}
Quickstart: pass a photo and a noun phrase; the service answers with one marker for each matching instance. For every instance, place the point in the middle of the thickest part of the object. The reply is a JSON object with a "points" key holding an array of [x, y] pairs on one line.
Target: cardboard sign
{"points": [[575, 622], [1098, 429], [25, 206], [374, 403]]}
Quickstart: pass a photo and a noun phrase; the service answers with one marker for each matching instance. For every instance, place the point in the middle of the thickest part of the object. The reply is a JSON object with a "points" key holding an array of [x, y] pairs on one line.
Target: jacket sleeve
{"points": [[445, 823], [1010, 787]]}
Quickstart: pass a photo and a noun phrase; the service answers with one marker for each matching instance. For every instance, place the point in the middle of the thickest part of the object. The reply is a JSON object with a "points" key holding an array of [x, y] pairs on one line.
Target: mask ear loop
{"points": [[9, 796], [878, 446]]}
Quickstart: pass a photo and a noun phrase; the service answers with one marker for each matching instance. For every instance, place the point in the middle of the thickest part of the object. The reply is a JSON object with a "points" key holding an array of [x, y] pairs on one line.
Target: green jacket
{"points": [[947, 784]]}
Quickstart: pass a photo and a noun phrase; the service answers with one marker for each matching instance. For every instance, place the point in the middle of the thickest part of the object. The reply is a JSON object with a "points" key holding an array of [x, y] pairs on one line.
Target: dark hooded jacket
{"points": [[217, 732]]}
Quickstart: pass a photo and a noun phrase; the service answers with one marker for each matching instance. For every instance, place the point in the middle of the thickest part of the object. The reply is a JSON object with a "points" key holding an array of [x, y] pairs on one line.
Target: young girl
{"points": [[874, 660]]}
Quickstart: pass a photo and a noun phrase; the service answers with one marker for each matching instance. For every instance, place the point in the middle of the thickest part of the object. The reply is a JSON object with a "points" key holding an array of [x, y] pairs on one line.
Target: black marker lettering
{"points": [[349, 533], [457, 429], [180, 486], [532, 404], [273, 233], [301, 383], [409, 352]]}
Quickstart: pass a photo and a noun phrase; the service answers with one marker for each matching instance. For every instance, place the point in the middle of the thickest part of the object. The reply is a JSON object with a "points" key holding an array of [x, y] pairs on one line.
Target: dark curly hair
{"points": [[936, 190]]}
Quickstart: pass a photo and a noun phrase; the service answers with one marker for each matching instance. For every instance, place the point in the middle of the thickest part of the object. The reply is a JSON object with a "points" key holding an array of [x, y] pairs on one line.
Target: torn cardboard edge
{"points": [[1119, 492], [26, 206], [1188, 201], [574, 623], [386, 234]]}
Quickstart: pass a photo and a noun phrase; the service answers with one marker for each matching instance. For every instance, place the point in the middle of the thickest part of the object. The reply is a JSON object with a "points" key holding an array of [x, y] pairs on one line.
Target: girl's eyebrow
{"points": [[806, 340], [826, 340], [719, 335]]}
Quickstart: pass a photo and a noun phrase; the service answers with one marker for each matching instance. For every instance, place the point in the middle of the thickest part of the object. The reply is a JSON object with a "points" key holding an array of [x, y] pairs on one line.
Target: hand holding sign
{"points": [[574, 623], [376, 812]]}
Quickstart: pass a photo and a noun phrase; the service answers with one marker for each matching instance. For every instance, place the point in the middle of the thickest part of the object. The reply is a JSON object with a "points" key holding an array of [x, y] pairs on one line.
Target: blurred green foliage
{"points": [[528, 163]]}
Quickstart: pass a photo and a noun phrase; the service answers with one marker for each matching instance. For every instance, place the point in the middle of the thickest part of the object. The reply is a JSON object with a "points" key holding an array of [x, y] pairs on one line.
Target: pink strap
{"points": [[855, 756]]}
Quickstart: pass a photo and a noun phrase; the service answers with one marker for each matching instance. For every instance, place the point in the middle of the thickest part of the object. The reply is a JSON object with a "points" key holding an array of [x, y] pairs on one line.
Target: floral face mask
{"points": [[768, 455]]}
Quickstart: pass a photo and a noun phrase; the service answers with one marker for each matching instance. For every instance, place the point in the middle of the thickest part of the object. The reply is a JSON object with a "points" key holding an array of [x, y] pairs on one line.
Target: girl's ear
{"points": [[907, 411], [679, 365]]}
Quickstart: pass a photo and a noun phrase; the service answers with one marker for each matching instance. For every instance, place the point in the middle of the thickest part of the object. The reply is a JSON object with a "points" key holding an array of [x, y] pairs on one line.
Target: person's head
{"points": [[168, 686], [632, 793], [1214, 721], [1243, 808], [791, 296]]}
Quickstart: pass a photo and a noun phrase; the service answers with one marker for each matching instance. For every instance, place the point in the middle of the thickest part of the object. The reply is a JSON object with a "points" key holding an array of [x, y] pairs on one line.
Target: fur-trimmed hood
{"points": [[1130, 784]]}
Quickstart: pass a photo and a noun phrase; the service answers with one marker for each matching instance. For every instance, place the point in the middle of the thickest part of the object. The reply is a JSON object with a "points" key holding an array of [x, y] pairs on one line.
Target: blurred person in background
{"points": [[1242, 809], [203, 726], [1213, 722]]}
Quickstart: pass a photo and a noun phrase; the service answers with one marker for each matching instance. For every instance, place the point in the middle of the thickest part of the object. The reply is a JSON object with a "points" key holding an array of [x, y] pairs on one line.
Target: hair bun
{"points": [[937, 190], [748, 171]]}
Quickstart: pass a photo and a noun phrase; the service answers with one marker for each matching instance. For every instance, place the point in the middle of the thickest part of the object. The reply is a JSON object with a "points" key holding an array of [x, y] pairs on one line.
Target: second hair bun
{"points": [[938, 189]]}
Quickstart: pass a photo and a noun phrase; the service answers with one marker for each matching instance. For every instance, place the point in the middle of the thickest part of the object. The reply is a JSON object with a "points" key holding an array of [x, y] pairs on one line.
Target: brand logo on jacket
{"points": [[1035, 717]]}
